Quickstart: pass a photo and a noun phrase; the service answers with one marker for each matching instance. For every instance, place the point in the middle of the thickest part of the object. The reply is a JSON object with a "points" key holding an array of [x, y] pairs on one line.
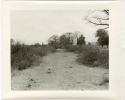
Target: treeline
{"points": [[24, 56], [89, 54], [68, 39]]}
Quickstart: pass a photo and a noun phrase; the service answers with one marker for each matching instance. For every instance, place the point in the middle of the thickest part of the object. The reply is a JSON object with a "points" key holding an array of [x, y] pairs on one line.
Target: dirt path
{"points": [[59, 71]]}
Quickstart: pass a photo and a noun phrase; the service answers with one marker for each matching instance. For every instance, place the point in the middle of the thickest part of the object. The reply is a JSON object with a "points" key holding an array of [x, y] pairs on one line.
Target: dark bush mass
{"points": [[92, 55], [24, 56]]}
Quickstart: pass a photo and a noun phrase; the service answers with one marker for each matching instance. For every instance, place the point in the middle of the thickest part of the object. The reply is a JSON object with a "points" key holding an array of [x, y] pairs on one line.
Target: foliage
{"points": [[54, 41], [81, 40], [103, 38], [65, 40], [88, 55], [92, 55], [24, 56], [73, 48], [50, 49], [21, 56], [103, 58]]}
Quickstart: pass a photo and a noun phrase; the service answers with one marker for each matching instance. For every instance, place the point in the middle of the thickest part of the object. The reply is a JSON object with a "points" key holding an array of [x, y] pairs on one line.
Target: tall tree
{"points": [[103, 38], [65, 41], [54, 41], [81, 40]]}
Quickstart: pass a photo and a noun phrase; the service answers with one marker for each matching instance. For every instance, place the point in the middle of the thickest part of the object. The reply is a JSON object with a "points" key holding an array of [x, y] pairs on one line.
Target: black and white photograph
{"points": [[60, 49]]}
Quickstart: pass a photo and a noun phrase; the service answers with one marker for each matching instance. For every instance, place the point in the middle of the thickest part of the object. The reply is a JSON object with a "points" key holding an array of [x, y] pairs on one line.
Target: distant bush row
{"points": [[24, 56]]}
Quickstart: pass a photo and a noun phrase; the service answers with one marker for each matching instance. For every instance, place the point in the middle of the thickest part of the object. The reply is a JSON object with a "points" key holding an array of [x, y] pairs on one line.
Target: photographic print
{"points": [[60, 49]]}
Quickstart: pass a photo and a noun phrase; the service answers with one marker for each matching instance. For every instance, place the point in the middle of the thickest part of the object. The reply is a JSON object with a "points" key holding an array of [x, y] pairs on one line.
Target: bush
{"points": [[24, 56], [73, 48], [50, 49], [23, 64], [103, 58], [21, 56], [88, 55], [92, 55], [39, 51]]}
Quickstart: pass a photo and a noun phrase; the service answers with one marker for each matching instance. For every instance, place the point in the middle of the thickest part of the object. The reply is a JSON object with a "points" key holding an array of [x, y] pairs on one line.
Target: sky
{"points": [[37, 26]]}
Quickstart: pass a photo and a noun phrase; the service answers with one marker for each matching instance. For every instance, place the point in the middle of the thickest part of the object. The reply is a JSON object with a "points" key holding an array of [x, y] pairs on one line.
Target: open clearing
{"points": [[59, 71]]}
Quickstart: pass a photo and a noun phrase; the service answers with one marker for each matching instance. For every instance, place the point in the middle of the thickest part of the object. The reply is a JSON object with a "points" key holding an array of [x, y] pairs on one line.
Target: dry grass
{"points": [[24, 56]]}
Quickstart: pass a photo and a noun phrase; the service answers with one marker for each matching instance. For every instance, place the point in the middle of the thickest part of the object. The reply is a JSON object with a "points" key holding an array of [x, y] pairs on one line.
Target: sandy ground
{"points": [[59, 71]]}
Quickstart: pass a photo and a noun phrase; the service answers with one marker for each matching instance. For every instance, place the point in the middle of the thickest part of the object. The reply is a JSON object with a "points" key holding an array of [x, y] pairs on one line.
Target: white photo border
{"points": [[115, 50]]}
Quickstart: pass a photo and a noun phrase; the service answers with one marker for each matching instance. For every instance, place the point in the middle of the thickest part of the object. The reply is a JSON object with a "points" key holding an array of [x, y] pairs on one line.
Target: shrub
{"points": [[73, 48], [21, 56], [88, 55], [92, 55], [23, 64], [103, 58], [24, 56], [51, 49], [39, 51]]}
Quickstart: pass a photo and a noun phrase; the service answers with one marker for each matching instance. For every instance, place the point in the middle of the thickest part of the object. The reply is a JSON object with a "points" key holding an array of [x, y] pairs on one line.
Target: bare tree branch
{"points": [[98, 23], [106, 11], [99, 20], [106, 28]]}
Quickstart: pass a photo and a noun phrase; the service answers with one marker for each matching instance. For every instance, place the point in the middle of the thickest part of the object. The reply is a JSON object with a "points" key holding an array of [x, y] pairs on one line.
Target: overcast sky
{"points": [[37, 26]]}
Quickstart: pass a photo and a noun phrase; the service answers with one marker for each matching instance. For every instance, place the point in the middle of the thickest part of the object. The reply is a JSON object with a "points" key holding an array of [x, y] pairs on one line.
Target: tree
{"points": [[103, 38], [81, 40], [99, 18], [69, 37], [37, 44], [65, 41], [54, 41]]}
